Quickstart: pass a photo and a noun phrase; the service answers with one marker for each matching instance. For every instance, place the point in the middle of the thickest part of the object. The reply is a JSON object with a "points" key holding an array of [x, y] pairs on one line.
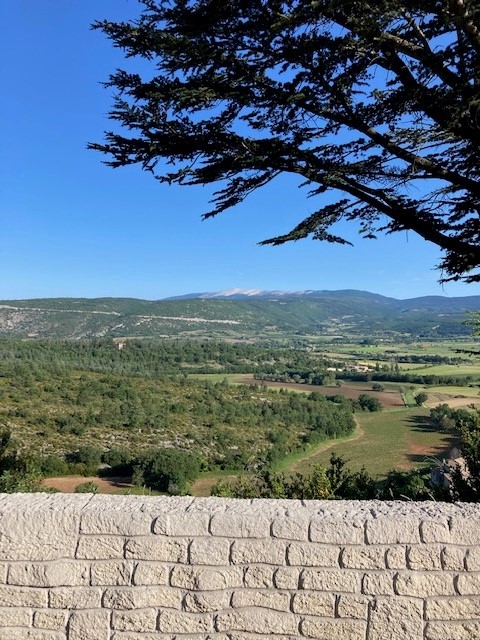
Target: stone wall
{"points": [[133, 568]]}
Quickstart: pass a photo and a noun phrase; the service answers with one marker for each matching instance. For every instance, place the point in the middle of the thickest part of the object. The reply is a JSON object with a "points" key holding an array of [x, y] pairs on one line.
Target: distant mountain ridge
{"points": [[239, 314]]}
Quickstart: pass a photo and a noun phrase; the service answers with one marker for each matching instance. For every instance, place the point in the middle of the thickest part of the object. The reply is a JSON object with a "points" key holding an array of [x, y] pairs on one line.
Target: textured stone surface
{"points": [[257, 621], [39, 526], [140, 620], [330, 629], [312, 555], [53, 574], [399, 619], [100, 547], [136, 568], [50, 619], [454, 631], [15, 617], [89, 625], [314, 604], [111, 573], [334, 580]]}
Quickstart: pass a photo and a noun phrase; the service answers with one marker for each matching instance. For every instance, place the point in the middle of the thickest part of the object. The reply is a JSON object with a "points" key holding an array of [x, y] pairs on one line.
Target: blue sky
{"points": [[73, 227]]}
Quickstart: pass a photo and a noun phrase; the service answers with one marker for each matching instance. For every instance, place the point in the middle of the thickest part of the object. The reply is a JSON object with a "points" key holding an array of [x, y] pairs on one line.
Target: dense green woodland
{"points": [[57, 396], [66, 407]]}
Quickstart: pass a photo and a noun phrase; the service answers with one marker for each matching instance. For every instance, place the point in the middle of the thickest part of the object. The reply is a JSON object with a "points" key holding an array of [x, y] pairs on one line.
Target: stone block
{"points": [[150, 573], [100, 547], [395, 557], [240, 525], [274, 600], [89, 625], [75, 598], [286, 578], [314, 604], [39, 527], [472, 559], [393, 531], [337, 531], [435, 530], [397, 618], [329, 629], [111, 574], [424, 585], [312, 555], [257, 621], [156, 548], [206, 579], [453, 559], [468, 584], [424, 558], [258, 577], [63, 573], [178, 622], [23, 597], [140, 620], [465, 531], [183, 524], [355, 607], [210, 601], [378, 584], [142, 598], [469, 630], [210, 551], [455, 608], [30, 634], [113, 515], [291, 528], [50, 619], [363, 558], [15, 617], [258, 551], [335, 580]]}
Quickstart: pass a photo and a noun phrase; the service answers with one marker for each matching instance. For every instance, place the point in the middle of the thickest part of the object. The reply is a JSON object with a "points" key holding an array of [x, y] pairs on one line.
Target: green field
{"points": [[399, 439]]}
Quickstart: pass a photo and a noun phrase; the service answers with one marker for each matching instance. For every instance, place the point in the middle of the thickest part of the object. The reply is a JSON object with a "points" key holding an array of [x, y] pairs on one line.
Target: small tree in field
{"points": [[421, 398], [374, 105]]}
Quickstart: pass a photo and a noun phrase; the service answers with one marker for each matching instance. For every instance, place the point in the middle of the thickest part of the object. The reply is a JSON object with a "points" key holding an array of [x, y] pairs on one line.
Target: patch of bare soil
{"points": [[452, 401], [67, 484], [388, 398], [202, 487]]}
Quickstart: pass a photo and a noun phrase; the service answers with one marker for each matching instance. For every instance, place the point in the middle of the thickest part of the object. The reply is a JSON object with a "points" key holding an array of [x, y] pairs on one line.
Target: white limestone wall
{"points": [[133, 568]]}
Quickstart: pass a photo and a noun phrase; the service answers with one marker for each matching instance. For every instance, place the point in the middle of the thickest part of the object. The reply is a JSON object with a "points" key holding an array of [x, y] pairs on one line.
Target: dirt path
{"points": [[67, 484]]}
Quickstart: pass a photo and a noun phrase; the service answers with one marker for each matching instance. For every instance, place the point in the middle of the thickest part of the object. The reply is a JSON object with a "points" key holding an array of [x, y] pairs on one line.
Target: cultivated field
{"points": [[401, 440], [390, 398]]}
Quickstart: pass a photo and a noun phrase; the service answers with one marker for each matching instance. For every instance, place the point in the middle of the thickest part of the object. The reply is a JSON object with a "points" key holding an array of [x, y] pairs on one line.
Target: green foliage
{"points": [[368, 403], [421, 398], [87, 458], [87, 487], [168, 470], [364, 100], [376, 386], [335, 482]]}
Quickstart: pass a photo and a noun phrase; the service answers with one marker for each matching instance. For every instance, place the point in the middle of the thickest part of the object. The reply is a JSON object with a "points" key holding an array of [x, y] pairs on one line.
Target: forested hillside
{"points": [[315, 313]]}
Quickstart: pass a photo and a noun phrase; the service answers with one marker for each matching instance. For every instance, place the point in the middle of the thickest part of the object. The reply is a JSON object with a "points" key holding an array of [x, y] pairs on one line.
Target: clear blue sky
{"points": [[73, 227]]}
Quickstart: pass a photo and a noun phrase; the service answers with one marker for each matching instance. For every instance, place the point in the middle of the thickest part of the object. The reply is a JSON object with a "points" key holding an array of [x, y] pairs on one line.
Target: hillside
{"points": [[237, 314]]}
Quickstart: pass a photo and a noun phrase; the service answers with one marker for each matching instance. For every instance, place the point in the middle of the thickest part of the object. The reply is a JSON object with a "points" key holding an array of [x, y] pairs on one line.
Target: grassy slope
{"points": [[396, 439]]}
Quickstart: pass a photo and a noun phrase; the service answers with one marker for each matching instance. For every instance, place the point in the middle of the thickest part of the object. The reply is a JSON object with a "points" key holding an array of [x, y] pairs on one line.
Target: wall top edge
{"points": [[165, 505]]}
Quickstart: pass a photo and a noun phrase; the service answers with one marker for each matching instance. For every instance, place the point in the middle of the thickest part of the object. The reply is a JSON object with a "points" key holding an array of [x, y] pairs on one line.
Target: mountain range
{"points": [[239, 313]]}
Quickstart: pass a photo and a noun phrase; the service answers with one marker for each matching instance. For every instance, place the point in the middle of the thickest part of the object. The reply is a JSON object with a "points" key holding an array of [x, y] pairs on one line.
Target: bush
{"points": [[87, 487], [167, 470], [367, 403], [420, 398]]}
